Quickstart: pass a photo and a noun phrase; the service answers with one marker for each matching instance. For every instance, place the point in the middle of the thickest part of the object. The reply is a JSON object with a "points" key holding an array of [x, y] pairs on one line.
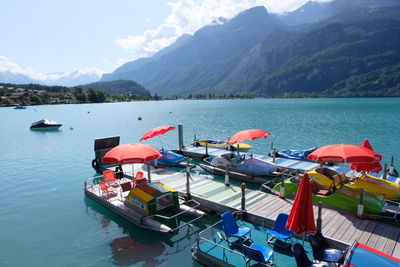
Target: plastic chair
{"points": [[256, 252], [321, 252], [279, 230], [231, 229], [106, 189], [109, 177], [302, 259], [139, 175]]}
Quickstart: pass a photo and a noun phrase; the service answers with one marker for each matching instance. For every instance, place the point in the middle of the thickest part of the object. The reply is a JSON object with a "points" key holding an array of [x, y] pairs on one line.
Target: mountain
{"points": [[313, 11], [61, 79], [322, 49], [72, 79], [206, 58], [118, 87], [15, 78]]}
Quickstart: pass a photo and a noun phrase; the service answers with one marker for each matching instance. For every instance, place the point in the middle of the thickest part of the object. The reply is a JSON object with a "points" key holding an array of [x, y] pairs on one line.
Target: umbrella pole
{"points": [[319, 219], [148, 172]]}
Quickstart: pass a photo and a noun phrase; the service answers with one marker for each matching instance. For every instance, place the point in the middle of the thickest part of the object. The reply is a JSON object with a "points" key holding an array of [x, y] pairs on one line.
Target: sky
{"points": [[45, 38]]}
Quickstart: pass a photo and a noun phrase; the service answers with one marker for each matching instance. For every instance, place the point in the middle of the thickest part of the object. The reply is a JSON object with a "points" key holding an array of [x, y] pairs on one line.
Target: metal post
{"points": [[319, 218], [188, 195], [148, 172], [282, 189], [207, 149], [360, 208], [384, 172], [243, 188], [273, 155], [180, 135], [227, 175]]}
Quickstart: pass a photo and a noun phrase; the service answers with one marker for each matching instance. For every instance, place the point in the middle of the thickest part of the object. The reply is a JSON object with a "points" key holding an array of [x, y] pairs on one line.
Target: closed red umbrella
{"points": [[131, 153], [344, 154], [368, 167], [156, 131], [247, 135], [301, 217]]}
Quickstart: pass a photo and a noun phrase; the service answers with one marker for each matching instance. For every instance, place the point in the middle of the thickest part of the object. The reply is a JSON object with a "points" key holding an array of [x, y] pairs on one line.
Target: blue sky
{"points": [[47, 36]]}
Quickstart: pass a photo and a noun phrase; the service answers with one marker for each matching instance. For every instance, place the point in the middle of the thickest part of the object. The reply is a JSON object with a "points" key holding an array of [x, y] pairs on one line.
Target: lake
{"points": [[45, 218]]}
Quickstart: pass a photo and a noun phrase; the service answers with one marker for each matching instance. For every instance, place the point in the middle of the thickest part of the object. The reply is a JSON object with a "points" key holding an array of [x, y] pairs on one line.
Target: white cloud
{"points": [[7, 65], [187, 16]]}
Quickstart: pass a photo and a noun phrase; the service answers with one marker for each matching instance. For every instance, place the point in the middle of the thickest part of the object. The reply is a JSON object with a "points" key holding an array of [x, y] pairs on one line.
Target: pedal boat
{"points": [[241, 147], [240, 166], [152, 206], [341, 197], [328, 177]]}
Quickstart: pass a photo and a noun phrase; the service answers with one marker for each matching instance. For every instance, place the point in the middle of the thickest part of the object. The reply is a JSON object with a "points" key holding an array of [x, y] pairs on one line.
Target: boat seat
{"points": [[126, 186], [140, 181], [323, 192]]}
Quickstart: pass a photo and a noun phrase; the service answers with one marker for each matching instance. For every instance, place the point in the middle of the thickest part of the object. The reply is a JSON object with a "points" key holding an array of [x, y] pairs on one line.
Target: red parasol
{"points": [[247, 135], [373, 167], [301, 217], [131, 153], [156, 131], [344, 153]]}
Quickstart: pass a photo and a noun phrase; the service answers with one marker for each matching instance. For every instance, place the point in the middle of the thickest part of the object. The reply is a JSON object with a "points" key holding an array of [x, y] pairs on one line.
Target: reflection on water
{"points": [[139, 247], [127, 251]]}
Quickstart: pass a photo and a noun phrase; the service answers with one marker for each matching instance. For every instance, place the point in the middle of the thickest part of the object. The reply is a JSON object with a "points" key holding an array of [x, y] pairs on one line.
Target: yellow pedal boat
{"points": [[241, 147], [329, 178]]}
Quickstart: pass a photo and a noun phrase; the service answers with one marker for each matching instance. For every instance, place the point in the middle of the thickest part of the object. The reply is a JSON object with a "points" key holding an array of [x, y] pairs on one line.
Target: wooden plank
{"points": [[335, 227], [331, 223], [373, 239], [396, 251], [266, 202], [265, 210], [360, 230], [383, 237], [344, 228], [352, 229], [269, 203], [392, 241], [367, 232]]}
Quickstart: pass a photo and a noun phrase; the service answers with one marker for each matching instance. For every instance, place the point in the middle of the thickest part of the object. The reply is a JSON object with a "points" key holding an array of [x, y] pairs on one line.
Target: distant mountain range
{"points": [[337, 48], [62, 79]]}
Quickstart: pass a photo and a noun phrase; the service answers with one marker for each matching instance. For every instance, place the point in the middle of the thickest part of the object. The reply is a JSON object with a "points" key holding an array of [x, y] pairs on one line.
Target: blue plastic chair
{"points": [[302, 259], [279, 230], [256, 252], [231, 229], [321, 252]]}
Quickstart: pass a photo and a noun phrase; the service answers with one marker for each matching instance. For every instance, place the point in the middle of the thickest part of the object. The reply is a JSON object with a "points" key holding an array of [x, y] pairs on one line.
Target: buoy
{"points": [[140, 118], [71, 128], [88, 112]]}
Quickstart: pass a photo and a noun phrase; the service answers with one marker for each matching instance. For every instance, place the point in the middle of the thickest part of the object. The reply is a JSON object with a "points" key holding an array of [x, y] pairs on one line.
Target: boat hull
{"points": [[343, 198], [241, 147]]}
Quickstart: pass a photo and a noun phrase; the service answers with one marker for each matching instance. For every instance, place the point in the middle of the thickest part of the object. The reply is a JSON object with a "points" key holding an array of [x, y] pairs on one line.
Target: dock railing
{"points": [[193, 204], [214, 231]]}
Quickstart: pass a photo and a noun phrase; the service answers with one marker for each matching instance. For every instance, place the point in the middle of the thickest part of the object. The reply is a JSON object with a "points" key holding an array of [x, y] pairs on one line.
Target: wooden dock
{"points": [[340, 227]]}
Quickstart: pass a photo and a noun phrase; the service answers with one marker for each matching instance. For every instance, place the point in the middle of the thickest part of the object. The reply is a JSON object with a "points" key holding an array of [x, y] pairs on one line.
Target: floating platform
{"points": [[216, 251], [341, 228]]}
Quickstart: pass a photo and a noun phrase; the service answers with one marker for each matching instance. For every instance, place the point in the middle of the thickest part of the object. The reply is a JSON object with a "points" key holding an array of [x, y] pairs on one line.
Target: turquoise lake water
{"points": [[45, 218]]}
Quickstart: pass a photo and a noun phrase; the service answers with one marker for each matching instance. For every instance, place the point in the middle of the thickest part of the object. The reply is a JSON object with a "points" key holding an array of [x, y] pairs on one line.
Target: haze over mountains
{"points": [[65, 79], [350, 47]]}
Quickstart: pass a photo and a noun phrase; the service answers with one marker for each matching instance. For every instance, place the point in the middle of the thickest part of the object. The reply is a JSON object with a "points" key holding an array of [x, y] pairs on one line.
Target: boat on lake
{"points": [[19, 107], [45, 125], [152, 206], [241, 147], [341, 197]]}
